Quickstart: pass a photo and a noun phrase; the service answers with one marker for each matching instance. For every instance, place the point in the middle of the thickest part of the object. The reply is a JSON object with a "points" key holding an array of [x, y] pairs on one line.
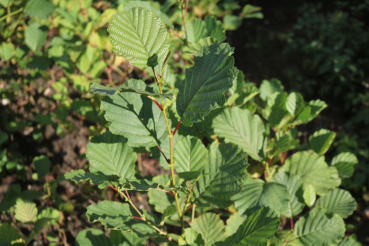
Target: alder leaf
{"points": [[80, 175], [35, 36], [92, 237], [255, 230], [240, 127], [211, 228], [135, 117], [111, 155], [256, 194], [8, 233], [25, 211], [337, 201], [102, 90], [321, 140], [205, 83], [309, 195], [190, 157], [294, 188], [222, 177], [318, 228], [295, 103], [345, 163], [312, 169], [139, 36]]}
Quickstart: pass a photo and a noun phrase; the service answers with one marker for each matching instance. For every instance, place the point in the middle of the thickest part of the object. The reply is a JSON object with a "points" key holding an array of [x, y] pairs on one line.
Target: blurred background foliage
{"points": [[52, 50]]}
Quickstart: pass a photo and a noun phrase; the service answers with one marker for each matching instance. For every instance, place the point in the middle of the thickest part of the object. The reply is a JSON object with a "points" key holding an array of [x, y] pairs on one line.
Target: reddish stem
{"points": [[168, 192], [163, 154], [135, 217], [128, 195], [291, 223], [175, 130], [186, 9], [156, 102], [112, 187], [189, 208]]}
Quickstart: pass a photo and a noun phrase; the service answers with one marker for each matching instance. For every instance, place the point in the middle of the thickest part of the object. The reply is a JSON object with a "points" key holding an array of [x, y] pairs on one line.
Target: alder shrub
{"points": [[236, 166]]}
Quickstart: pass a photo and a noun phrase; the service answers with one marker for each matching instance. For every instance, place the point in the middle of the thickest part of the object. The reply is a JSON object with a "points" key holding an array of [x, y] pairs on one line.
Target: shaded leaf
{"points": [[321, 140], [269, 87], [256, 194], [92, 237], [8, 233], [42, 165], [222, 177], [46, 217], [109, 91], [80, 175], [310, 112], [190, 157], [294, 188], [196, 30], [135, 117], [295, 103], [211, 227], [257, 228], [205, 83], [35, 36], [233, 223], [345, 163]]}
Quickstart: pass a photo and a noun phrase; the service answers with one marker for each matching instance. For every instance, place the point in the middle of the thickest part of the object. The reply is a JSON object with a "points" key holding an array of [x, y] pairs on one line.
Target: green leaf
{"points": [[110, 214], [337, 201], [321, 140], [257, 228], [169, 211], [240, 127], [25, 211], [46, 217], [256, 194], [205, 83], [295, 103], [135, 117], [345, 162], [251, 11], [3, 137], [6, 51], [190, 157], [139, 36], [348, 242], [282, 143], [80, 175], [294, 188], [42, 165], [111, 155], [102, 90], [92, 237], [40, 8], [268, 88], [310, 112], [35, 36], [318, 228], [312, 169], [284, 238], [215, 28], [8, 233], [124, 238], [238, 83], [160, 199], [193, 48], [192, 237], [196, 30], [276, 105], [222, 177], [231, 22], [3, 158], [211, 227], [309, 195], [233, 223], [149, 6]]}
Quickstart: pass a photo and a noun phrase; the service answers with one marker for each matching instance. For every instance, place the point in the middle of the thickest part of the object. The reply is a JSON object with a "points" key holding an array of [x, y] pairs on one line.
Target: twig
{"points": [[175, 130], [163, 154], [156, 102]]}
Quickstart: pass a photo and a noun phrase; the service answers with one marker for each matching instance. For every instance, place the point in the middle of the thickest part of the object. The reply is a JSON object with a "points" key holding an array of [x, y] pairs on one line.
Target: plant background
{"points": [[317, 48]]}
